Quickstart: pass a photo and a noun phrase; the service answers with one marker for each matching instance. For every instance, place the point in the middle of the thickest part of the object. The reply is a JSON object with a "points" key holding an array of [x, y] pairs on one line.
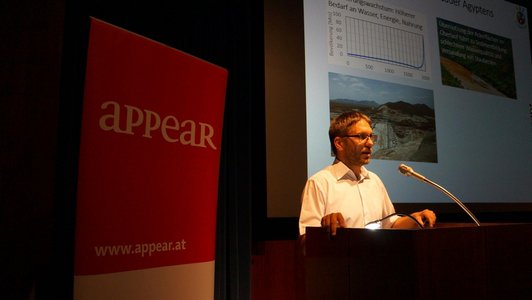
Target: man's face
{"points": [[354, 151]]}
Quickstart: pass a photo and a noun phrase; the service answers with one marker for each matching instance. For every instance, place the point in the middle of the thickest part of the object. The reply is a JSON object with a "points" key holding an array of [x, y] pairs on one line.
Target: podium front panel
{"points": [[451, 262]]}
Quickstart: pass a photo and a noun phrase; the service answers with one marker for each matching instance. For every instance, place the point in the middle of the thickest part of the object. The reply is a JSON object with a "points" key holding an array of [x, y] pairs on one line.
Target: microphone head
{"points": [[405, 170]]}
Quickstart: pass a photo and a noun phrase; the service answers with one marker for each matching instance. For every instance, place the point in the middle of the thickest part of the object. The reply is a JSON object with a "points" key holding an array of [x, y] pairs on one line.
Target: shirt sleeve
{"points": [[312, 206]]}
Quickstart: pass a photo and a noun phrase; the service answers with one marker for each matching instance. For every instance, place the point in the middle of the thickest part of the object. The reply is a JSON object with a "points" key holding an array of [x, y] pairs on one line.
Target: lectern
{"points": [[451, 261]]}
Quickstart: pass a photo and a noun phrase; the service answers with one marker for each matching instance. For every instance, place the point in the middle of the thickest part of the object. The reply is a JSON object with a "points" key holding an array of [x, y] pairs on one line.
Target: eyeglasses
{"points": [[363, 137]]}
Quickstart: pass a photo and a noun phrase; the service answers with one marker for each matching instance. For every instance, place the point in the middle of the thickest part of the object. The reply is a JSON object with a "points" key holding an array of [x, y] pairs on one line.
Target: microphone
{"points": [[408, 171]]}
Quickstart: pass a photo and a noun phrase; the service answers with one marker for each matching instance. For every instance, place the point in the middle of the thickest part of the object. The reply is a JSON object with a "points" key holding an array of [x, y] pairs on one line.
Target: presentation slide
{"points": [[447, 83]]}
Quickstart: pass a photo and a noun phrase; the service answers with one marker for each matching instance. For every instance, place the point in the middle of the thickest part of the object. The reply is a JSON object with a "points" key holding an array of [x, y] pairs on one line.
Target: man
{"points": [[346, 194]]}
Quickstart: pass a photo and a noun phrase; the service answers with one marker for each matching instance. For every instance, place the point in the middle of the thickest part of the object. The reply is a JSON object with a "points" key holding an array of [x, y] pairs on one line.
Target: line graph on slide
{"points": [[386, 44], [379, 38]]}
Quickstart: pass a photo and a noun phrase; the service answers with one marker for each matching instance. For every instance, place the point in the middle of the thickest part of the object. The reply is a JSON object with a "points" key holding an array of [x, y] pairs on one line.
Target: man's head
{"points": [[351, 138]]}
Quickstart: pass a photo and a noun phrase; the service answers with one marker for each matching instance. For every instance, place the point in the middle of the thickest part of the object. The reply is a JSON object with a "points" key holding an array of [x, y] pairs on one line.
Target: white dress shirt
{"points": [[337, 189]]}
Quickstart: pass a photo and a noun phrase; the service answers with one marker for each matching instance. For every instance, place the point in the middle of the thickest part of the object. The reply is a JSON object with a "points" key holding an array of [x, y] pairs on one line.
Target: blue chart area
{"points": [[386, 44]]}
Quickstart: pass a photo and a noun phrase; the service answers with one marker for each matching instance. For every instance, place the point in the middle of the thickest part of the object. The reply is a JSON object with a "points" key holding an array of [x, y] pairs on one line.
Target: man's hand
{"points": [[425, 217], [333, 221]]}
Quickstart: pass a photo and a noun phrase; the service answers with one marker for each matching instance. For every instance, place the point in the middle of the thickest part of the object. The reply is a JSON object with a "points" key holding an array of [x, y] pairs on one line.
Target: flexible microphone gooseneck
{"points": [[408, 171]]}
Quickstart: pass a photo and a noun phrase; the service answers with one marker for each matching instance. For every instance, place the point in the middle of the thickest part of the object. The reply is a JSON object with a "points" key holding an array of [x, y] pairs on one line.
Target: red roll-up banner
{"points": [[148, 170]]}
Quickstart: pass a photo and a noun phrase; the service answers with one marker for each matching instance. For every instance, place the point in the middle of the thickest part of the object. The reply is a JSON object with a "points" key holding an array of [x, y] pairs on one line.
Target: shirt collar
{"points": [[341, 171]]}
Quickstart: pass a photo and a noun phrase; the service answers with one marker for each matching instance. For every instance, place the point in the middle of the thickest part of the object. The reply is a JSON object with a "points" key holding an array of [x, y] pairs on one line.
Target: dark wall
{"points": [[41, 86]]}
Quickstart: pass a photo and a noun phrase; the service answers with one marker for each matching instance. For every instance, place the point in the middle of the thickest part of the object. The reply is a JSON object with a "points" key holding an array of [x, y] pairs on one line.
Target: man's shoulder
{"points": [[327, 173], [330, 172]]}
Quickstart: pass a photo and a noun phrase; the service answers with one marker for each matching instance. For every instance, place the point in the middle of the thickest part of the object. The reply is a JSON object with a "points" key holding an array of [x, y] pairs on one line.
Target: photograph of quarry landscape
{"points": [[403, 116]]}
